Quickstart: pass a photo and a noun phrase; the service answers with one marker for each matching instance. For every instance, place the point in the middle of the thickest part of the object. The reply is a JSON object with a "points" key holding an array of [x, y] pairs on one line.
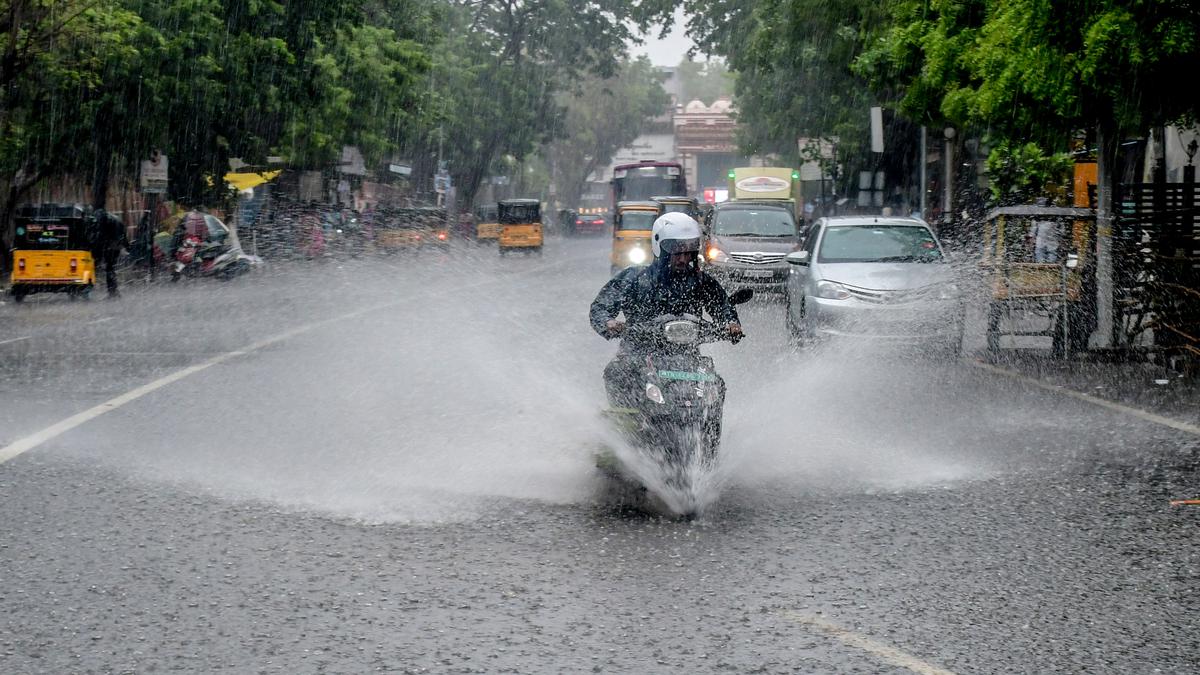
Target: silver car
{"points": [[873, 277], [746, 244]]}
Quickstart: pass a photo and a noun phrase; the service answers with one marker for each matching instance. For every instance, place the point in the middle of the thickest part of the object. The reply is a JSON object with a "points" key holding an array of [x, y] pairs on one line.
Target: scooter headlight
{"points": [[655, 394], [637, 256]]}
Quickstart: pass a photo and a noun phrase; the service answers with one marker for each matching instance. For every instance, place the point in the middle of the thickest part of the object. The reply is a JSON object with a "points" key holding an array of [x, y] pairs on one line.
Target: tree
{"points": [[603, 116], [53, 77], [497, 78], [794, 78], [1035, 71], [706, 81]]}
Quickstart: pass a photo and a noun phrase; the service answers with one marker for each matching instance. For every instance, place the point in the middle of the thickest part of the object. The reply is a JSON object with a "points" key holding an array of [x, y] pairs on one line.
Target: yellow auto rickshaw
{"points": [[52, 251], [487, 224], [631, 234], [680, 204], [411, 228], [1037, 266], [521, 225]]}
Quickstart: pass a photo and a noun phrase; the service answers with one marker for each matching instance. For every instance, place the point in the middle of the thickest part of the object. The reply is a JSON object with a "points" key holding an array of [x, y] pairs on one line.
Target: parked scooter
{"points": [[209, 248]]}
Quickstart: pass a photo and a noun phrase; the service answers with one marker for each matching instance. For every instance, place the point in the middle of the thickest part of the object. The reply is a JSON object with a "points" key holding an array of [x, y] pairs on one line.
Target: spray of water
{"points": [[489, 388], [683, 485]]}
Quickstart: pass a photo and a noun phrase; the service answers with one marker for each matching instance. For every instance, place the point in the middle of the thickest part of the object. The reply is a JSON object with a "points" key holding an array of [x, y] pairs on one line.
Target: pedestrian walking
{"points": [[106, 246]]}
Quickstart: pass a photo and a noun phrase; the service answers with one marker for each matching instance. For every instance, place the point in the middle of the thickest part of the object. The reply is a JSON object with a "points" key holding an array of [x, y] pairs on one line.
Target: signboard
{"points": [[763, 184], [154, 175], [876, 129], [400, 169], [441, 183]]}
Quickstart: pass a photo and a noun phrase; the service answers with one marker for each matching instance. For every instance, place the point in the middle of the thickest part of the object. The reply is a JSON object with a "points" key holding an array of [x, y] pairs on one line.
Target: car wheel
{"points": [[18, 295], [795, 332]]}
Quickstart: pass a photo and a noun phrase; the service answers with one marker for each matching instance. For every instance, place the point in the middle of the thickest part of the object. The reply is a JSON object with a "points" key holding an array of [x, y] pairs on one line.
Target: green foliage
{"points": [[1035, 70], [603, 116], [497, 78], [89, 87], [707, 80], [207, 80], [1022, 172], [793, 63]]}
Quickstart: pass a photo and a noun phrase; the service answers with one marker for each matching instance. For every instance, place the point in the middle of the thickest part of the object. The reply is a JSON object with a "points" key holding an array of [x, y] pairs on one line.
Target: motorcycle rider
{"points": [[672, 284]]}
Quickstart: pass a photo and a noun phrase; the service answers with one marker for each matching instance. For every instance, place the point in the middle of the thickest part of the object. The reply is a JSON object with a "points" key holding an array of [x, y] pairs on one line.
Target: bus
{"points": [[646, 180]]}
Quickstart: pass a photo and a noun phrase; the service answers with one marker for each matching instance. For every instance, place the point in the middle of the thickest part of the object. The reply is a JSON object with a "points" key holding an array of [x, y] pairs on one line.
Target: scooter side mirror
{"points": [[741, 295]]}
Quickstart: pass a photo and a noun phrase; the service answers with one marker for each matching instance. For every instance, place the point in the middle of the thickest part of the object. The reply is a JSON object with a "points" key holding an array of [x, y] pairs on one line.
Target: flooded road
{"points": [[387, 464]]}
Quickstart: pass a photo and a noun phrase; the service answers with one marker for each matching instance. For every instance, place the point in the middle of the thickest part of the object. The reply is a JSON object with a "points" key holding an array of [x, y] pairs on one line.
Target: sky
{"points": [[670, 50]]}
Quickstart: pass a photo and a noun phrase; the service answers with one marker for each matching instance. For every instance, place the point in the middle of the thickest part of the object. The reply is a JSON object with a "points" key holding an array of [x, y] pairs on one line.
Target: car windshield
{"points": [[516, 214], [677, 207], [882, 243], [638, 220], [754, 223]]}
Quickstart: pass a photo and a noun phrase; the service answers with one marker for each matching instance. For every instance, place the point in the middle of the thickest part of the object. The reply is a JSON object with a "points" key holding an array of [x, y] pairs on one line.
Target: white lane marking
{"points": [[886, 653], [107, 318], [5, 342], [1094, 400], [23, 445]]}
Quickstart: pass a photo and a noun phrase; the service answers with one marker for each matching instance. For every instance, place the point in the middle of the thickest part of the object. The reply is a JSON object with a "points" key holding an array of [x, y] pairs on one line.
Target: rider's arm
{"points": [[607, 305], [716, 301]]}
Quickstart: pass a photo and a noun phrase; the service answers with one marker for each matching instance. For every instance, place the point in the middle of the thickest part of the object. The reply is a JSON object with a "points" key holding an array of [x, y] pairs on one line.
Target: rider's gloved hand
{"points": [[614, 327], [735, 332]]}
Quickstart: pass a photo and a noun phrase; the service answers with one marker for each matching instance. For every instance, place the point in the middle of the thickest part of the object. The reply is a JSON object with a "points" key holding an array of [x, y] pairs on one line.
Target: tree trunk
{"points": [[17, 187]]}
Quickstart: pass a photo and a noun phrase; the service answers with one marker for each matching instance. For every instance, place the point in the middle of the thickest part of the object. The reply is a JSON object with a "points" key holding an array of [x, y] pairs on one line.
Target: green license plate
{"points": [[685, 375]]}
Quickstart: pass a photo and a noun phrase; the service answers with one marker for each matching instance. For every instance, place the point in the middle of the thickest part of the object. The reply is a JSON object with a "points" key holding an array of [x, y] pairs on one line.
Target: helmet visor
{"points": [[673, 246]]}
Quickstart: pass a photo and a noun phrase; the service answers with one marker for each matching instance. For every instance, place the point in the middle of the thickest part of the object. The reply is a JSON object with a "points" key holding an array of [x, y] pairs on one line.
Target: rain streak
{"points": [[634, 336]]}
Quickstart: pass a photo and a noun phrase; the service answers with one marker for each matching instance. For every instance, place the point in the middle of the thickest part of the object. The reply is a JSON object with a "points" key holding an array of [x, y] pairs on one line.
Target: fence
{"points": [[1156, 251]]}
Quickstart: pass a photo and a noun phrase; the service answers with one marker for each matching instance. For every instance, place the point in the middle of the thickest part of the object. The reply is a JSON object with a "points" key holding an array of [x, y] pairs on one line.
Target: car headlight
{"points": [[637, 256], [716, 255], [655, 394], [832, 290]]}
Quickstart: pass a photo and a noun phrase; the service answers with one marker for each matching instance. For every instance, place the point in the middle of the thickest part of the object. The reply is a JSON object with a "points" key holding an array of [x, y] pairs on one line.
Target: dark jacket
{"points": [[108, 233], [644, 293]]}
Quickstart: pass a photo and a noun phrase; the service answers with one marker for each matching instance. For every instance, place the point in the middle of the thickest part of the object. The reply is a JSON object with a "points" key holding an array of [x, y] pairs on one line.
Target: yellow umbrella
{"points": [[250, 180]]}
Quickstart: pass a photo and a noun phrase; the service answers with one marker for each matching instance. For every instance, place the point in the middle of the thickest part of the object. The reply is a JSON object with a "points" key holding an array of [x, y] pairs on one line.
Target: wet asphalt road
{"points": [[404, 484]]}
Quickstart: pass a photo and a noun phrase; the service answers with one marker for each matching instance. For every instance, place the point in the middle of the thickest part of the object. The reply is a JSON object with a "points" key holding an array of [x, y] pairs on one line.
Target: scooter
{"points": [[670, 406], [195, 257]]}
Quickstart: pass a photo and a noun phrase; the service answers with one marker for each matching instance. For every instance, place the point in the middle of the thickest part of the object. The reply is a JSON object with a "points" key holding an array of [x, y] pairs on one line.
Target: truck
{"points": [[767, 184]]}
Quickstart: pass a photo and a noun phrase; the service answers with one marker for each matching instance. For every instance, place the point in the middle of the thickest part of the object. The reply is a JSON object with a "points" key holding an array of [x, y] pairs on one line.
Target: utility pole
{"points": [[948, 191], [924, 169]]}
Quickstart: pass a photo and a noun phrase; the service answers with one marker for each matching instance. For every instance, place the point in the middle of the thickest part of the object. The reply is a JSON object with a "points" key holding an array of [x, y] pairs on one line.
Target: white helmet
{"points": [[675, 233]]}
